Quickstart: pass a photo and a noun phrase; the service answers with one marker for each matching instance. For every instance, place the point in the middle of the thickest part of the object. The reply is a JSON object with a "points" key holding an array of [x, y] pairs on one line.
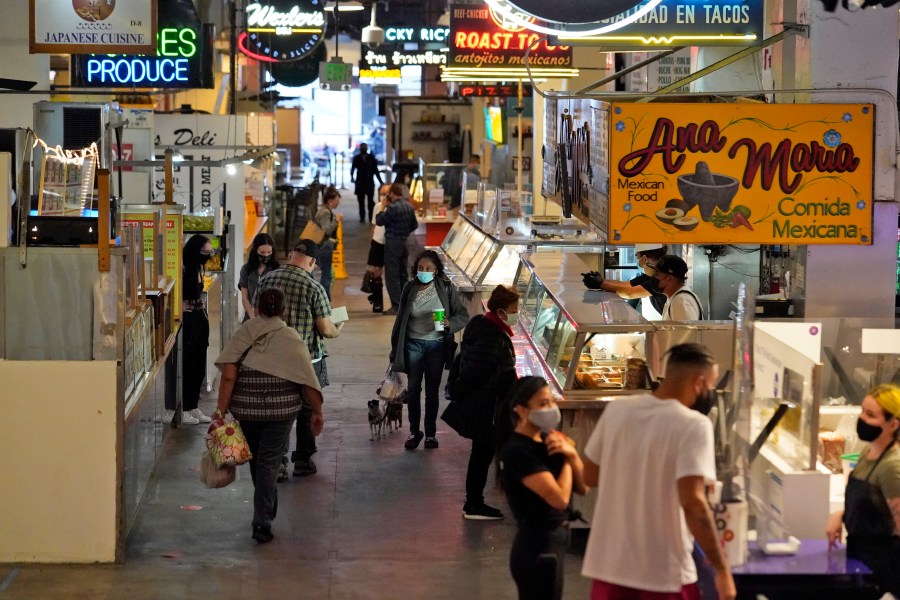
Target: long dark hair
{"points": [[192, 267], [506, 419], [262, 239], [433, 257]]}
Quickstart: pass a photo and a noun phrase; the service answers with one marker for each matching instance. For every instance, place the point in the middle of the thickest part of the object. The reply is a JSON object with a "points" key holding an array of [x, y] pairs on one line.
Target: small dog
{"points": [[376, 418], [395, 415]]}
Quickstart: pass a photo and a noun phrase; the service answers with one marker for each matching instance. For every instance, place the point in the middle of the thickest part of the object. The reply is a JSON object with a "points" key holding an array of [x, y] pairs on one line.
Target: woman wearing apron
{"points": [[872, 499]]}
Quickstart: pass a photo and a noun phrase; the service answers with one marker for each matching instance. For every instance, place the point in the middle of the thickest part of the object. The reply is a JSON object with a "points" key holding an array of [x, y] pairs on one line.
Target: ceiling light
{"points": [[345, 6]]}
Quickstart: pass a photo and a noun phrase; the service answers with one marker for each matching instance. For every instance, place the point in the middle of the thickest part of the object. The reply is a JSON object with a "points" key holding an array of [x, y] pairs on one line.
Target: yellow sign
{"points": [[172, 266], [741, 173]]}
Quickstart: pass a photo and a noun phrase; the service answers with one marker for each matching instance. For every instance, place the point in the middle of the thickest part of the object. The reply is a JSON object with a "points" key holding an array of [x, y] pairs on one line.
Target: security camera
{"points": [[372, 36]]}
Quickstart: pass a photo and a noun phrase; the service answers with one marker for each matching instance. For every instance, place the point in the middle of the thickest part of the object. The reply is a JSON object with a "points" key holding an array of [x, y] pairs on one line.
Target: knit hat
{"points": [[887, 396]]}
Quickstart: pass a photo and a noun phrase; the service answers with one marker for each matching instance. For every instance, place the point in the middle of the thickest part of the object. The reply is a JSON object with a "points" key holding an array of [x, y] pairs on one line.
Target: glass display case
{"points": [[477, 261], [592, 342], [446, 177]]}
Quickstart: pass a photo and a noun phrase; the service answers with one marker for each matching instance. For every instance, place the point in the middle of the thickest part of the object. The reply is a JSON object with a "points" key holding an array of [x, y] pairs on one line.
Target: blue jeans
{"points": [[323, 258], [424, 358]]}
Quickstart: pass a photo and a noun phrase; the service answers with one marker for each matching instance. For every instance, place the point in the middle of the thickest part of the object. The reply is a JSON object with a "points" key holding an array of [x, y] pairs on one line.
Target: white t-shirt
{"points": [[639, 537], [683, 306], [378, 232]]}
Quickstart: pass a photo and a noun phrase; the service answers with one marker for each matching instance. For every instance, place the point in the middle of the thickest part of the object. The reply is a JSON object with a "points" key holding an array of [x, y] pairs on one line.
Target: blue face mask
{"points": [[425, 276]]}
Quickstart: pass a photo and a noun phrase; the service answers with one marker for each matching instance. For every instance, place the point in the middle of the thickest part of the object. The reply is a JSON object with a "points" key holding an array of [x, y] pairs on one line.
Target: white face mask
{"points": [[546, 418], [511, 319]]}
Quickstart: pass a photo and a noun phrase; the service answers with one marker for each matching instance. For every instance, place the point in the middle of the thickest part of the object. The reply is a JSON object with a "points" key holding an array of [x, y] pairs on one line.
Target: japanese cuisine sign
{"points": [[741, 174]]}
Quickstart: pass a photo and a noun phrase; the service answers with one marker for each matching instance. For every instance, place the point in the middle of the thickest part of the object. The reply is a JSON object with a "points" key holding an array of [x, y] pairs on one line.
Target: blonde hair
{"points": [[887, 395]]}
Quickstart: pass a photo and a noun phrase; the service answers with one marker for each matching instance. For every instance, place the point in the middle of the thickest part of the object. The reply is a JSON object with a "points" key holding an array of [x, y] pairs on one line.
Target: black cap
{"points": [[307, 247], [672, 265]]}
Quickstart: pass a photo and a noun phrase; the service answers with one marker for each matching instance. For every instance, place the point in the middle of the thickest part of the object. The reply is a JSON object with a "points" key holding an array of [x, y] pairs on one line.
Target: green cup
{"points": [[438, 316]]}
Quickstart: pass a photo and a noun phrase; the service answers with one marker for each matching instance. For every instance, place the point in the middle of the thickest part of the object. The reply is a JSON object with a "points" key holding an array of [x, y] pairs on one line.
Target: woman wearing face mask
{"points": [[539, 469], [479, 380], [420, 343], [261, 261], [327, 220], [194, 328], [872, 499]]}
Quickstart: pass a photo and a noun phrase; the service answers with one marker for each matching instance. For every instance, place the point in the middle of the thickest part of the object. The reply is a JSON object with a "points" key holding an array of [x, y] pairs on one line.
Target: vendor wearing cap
{"points": [[642, 286], [682, 304], [872, 499]]}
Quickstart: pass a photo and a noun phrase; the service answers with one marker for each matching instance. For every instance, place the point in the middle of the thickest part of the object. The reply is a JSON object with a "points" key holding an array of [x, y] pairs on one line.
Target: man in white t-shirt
{"points": [[683, 304], [651, 458]]}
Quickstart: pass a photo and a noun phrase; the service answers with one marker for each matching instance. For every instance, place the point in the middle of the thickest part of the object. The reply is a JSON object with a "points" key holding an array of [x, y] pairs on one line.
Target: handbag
{"points": [[312, 232], [366, 286], [455, 417], [391, 386], [450, 347], [226, 442], [213, 477]]}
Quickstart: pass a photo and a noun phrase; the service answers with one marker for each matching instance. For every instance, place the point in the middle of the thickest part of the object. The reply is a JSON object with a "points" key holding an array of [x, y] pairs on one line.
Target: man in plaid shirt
{"points": [[309, 312], [399, 220]]}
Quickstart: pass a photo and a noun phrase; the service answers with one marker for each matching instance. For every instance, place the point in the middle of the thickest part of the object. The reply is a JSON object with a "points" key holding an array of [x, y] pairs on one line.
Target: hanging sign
{"points": [[84, 26], [481, 40], [417, 34], [395, 58], [478, 90], [282, 30], [302, 72], [741, 173], [379, 76], [183, 60]]}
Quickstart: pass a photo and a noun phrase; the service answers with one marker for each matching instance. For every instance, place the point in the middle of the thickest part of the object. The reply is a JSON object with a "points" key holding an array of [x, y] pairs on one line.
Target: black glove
{"points": [[592, 280]]}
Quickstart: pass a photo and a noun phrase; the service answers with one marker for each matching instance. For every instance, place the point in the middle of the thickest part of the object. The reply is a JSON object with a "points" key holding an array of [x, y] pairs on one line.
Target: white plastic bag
{"points": [[391, 385]]}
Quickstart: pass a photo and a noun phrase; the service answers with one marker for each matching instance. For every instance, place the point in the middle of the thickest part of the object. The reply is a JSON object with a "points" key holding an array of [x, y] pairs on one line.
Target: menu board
{"points": [[548, 187], [598, 192], [172, 259]]}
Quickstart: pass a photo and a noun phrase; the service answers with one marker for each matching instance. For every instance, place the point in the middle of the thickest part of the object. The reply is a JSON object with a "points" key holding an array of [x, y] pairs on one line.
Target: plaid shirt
{"points": [[399, 220], [305, 301]]}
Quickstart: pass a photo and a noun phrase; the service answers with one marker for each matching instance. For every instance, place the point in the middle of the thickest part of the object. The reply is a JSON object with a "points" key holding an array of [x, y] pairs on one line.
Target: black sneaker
{"points": [[481, 512], [412, 442], [262, 535], [303, 468], [391, 311], [431, 443]]}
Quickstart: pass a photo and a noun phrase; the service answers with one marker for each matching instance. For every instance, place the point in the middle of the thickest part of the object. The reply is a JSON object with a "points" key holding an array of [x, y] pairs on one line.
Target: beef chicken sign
{"points": [[283, 30]]}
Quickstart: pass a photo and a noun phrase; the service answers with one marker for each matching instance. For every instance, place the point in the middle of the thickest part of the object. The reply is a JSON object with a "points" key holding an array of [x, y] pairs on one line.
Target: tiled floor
{"points": [[376, 521]]}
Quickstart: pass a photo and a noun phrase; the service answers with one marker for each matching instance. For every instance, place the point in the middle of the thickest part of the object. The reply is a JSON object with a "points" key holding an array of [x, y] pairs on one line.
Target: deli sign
{"points": [[85, 26], [741, 174], [282, 30]]}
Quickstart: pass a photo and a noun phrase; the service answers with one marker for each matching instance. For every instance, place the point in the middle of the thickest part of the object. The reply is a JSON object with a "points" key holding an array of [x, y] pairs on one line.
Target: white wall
{"points": [[18, 64], [59, 477]]}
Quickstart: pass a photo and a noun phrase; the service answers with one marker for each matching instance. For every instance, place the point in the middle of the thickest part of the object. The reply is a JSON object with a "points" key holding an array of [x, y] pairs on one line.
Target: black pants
{"points": [[366, 199], [194, 342], [266, 440], [882, 556], [395, 269], [479, 464], [536, 562], [306, 440]]}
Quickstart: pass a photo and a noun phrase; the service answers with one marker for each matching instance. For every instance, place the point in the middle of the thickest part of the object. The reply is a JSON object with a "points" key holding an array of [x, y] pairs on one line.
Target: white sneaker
{"points": [[197, 414], [188, 419]]}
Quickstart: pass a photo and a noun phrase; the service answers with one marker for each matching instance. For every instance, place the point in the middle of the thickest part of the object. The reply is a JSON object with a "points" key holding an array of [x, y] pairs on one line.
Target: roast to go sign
{"points": [[739, 173], [282, 30], [85, 26]]}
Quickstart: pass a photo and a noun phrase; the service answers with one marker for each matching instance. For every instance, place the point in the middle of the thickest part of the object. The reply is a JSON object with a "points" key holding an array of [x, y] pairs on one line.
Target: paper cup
{"points": [[438, 316]]}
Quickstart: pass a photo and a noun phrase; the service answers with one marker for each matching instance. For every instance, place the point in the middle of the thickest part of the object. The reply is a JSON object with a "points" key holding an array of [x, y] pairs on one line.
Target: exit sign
{"points": [[335, 75]]}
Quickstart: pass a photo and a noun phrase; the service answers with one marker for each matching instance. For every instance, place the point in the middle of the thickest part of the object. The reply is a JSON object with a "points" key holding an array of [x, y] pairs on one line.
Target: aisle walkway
{"points": [[376, 521]]}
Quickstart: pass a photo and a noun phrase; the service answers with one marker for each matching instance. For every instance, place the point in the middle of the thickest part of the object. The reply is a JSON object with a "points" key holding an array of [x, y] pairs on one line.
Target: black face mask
{"points": [[264, 258], [651, 285], [204, 258], [705, 402], [866, 432]]}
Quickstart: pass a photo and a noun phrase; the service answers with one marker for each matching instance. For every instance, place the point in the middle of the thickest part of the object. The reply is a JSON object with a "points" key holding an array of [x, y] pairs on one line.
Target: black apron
{"points": [[870, 530]]}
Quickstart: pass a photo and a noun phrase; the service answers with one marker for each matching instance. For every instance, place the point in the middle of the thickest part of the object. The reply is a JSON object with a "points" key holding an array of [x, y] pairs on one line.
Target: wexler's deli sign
{"points": [[85, 26], [282, 30], [741, 174]]}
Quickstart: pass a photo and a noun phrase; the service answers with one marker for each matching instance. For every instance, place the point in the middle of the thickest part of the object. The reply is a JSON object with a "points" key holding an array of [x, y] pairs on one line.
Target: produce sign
{"points": [[741, 174]]}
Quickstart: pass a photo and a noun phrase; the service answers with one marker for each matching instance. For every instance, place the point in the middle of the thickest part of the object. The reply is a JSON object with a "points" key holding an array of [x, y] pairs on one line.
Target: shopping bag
{"points": [[366, 286], [312, 232], [213, 477], [391, 385], [226, 442]]}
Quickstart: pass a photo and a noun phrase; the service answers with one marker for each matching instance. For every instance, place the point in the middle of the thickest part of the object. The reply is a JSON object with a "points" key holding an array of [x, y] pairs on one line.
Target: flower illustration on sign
{"points": [[847, 117], [861, 204], [620, 126], [832, 138], [627, 207], [93, 10]]}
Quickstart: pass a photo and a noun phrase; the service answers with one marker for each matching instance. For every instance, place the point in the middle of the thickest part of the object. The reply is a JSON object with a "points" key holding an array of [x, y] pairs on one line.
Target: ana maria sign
{"points": [[741, 173], [282, 30]]}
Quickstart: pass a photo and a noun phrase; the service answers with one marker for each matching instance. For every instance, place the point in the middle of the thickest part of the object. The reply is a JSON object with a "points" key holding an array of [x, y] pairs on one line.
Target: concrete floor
{"points": [[376, 521]]}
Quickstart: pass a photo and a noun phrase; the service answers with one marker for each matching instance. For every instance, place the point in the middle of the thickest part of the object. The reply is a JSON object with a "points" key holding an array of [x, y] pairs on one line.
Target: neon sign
{"points": [[412, 34], [282, 30], [183, 60]]}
